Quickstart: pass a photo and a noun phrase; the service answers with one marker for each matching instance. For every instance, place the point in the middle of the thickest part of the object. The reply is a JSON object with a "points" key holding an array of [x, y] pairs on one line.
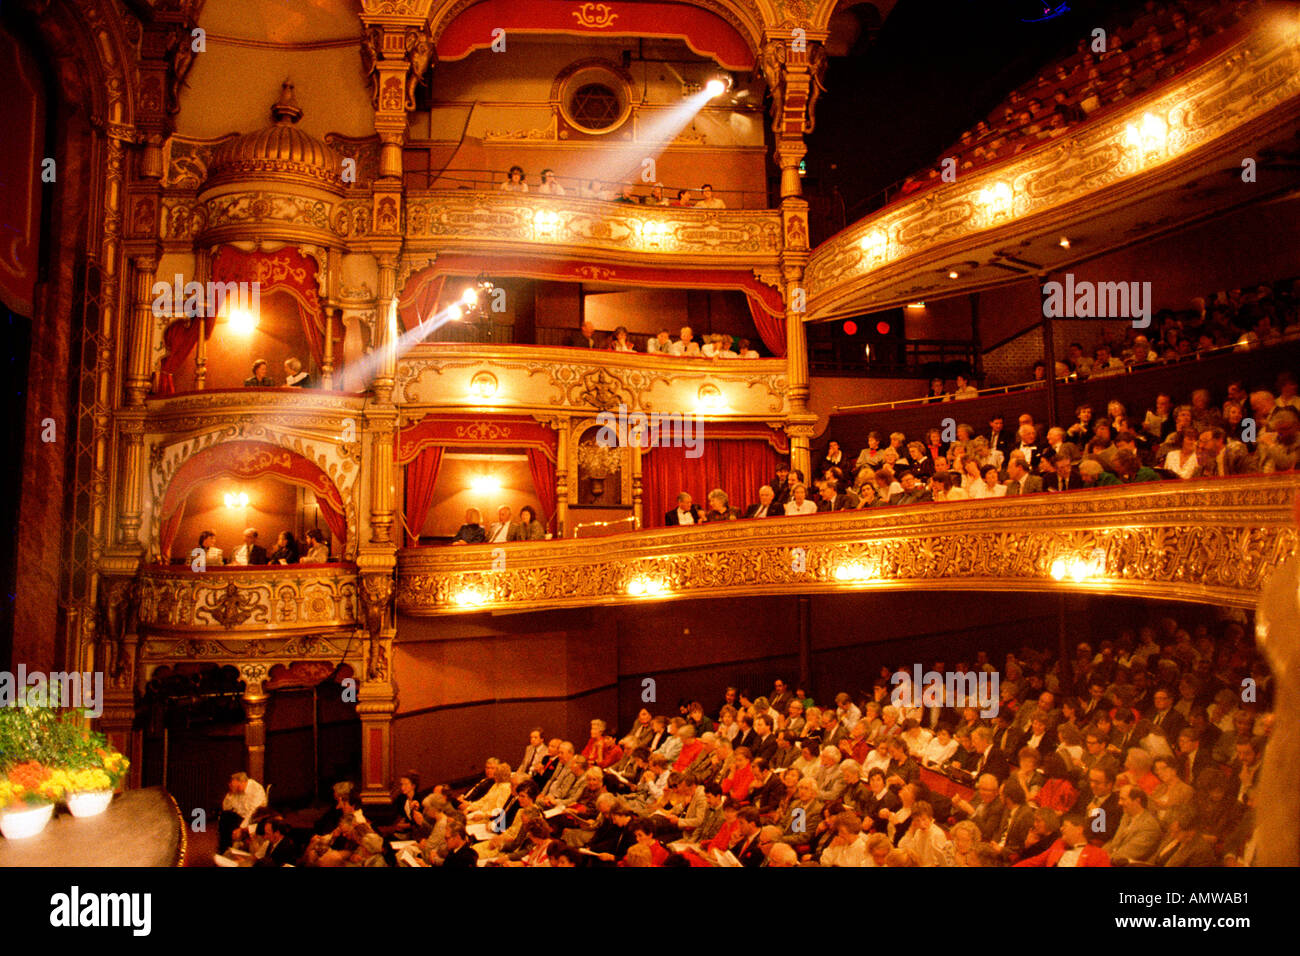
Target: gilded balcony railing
{"points": [[456, 376], [1212, 541], [444, 220]]}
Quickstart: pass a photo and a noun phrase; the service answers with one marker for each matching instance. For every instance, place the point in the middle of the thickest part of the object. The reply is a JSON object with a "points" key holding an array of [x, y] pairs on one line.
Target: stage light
{"points": [[485, 484], [1064, 243], [952, 274], [454, 314], [236, 499], [470, 298], [242, 322], [715, 87]]}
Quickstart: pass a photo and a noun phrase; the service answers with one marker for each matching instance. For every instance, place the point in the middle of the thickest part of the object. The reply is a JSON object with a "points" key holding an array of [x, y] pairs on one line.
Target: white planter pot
{"points": [[20, 824], [89, 803]]}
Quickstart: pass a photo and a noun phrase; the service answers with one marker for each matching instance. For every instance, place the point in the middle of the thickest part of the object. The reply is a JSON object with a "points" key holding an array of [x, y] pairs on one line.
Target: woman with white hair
{"points": [[719, 507], [964, 839]]}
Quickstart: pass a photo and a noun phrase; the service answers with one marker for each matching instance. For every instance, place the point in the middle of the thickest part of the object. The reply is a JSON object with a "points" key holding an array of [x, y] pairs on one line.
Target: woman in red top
{"points": [[644, 831], [741, 779], [1058, 792]]}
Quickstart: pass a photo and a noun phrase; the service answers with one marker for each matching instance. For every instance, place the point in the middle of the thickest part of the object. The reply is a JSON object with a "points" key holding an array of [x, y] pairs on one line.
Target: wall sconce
{"points": [[1148, 137], [485, 484], [646, 587], [483, 385], [875, 244], [471, 597], [653, 234], [997, 200], [855, 572], [1079, 567], [242, 321], [710, 398], [545, 222], [236, 499]]}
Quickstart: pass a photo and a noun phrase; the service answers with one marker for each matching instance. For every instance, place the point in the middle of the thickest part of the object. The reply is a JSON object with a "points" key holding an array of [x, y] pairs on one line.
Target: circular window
{"points": [[595, 106], [593, 97]]}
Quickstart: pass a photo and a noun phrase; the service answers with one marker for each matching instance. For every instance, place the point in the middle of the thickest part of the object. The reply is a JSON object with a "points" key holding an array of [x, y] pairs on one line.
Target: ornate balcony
{"points": [[444, 220], [1110, 179], [240, 601], [1210, 541], [553, 379]]}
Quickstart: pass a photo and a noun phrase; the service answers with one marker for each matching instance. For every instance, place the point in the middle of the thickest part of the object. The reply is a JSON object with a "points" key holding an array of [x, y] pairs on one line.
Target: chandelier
{"points": [[476, 306]]}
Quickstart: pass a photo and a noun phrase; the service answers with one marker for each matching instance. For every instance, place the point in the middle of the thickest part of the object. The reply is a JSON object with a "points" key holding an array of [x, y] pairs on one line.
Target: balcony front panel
{"points": [[243, 602], [1239, 101], [1210, 541], [469, 221], [553, 379], [286, 407]]}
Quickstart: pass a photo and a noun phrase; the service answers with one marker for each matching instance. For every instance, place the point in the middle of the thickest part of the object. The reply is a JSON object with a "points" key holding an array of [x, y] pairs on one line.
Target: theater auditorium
{"points": [[375, 367]]}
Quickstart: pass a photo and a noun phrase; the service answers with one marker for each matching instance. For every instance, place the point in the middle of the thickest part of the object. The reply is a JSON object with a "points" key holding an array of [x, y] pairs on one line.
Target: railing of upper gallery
{"points": [[442, 220], [1212, 541]]}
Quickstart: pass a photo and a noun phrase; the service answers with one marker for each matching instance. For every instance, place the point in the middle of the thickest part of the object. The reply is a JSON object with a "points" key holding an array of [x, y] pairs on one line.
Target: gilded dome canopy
{"points": [[282, 148]]}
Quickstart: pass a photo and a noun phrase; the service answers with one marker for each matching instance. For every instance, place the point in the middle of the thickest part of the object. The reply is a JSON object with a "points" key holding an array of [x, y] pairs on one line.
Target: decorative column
{"points": [[255, 700], [562, 478], [202, 273], [395, 57], [139, 348], [377, 698], [794, 66], [327, 366]]}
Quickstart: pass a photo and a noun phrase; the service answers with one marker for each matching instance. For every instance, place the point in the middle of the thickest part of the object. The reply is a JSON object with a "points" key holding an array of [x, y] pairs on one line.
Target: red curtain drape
{"points": [[288, 271], [420, 299], [421, 477], [543, 471], [771, 328], [180, 339], [738, 467]]}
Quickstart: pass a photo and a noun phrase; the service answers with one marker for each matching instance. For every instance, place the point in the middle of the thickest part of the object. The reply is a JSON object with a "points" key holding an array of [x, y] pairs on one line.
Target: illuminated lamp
{"points": [[483, 385], [715, 87], [485, 484], [242, 322], [850, 327], [883, 328], [236, 499]]}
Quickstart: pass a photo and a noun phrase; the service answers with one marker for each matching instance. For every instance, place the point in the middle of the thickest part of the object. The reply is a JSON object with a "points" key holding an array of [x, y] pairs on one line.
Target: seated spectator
{"points": [[294, 376], [1094, 475], [286, 549], [683, 198], [1131, 471], [534, 530], [549, 186], [686, 344], [912, 491], [708, 200], [799, 504], [661, 344], [211, 553], [250, 552], [619, 341], [584, 338], [743, 350], [1182, 461], [685, 513], [259, 378], [719, 507], [471, 532], [318, 549], [1071, 848], [244, 797], [514, 182]]}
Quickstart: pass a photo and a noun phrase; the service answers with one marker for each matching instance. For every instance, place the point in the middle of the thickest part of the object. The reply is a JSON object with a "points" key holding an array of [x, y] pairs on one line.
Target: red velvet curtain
{"points": [[420, 299], [543, 471], [737, 466], [180, 339], [421, 477], [771, 328]]}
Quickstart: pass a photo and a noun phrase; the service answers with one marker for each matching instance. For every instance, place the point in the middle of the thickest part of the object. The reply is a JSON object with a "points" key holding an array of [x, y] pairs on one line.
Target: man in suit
{"points": [[1028, 446], [1215, 455], [991, 760], [766, 507], [584, 338], [1071, 849], [781, 696], [999, 438], [460, 855], [986, 809], [833, 729], [1063, 477], [832, 500], [1138, 834], [1163, 715], [278, 847], [534, 753], [1192, 757], [765, 739], [250, 552], [1100, 803], [913, 491], [1183, 845], [1017, 821], [1020, 481], [746, 848], [684, 514], [504, 529]]}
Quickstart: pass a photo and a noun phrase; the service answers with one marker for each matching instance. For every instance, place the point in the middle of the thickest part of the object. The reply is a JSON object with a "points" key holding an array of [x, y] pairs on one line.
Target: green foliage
{"points": [[48, 734]]}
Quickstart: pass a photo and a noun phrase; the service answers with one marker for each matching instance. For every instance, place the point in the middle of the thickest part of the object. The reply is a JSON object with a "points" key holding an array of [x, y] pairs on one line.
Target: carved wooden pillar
{"points": [[395, 56], [140, 344], [386, 328], [382, 476], [377, 698], [202, 273], [327, 366], [794, 67], [255, 700]]}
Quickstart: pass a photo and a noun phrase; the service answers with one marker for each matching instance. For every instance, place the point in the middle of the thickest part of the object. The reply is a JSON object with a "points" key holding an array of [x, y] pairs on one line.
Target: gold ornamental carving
{"points": [[1212, 542], [232, 607], [267, 599], [594, 16]]}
